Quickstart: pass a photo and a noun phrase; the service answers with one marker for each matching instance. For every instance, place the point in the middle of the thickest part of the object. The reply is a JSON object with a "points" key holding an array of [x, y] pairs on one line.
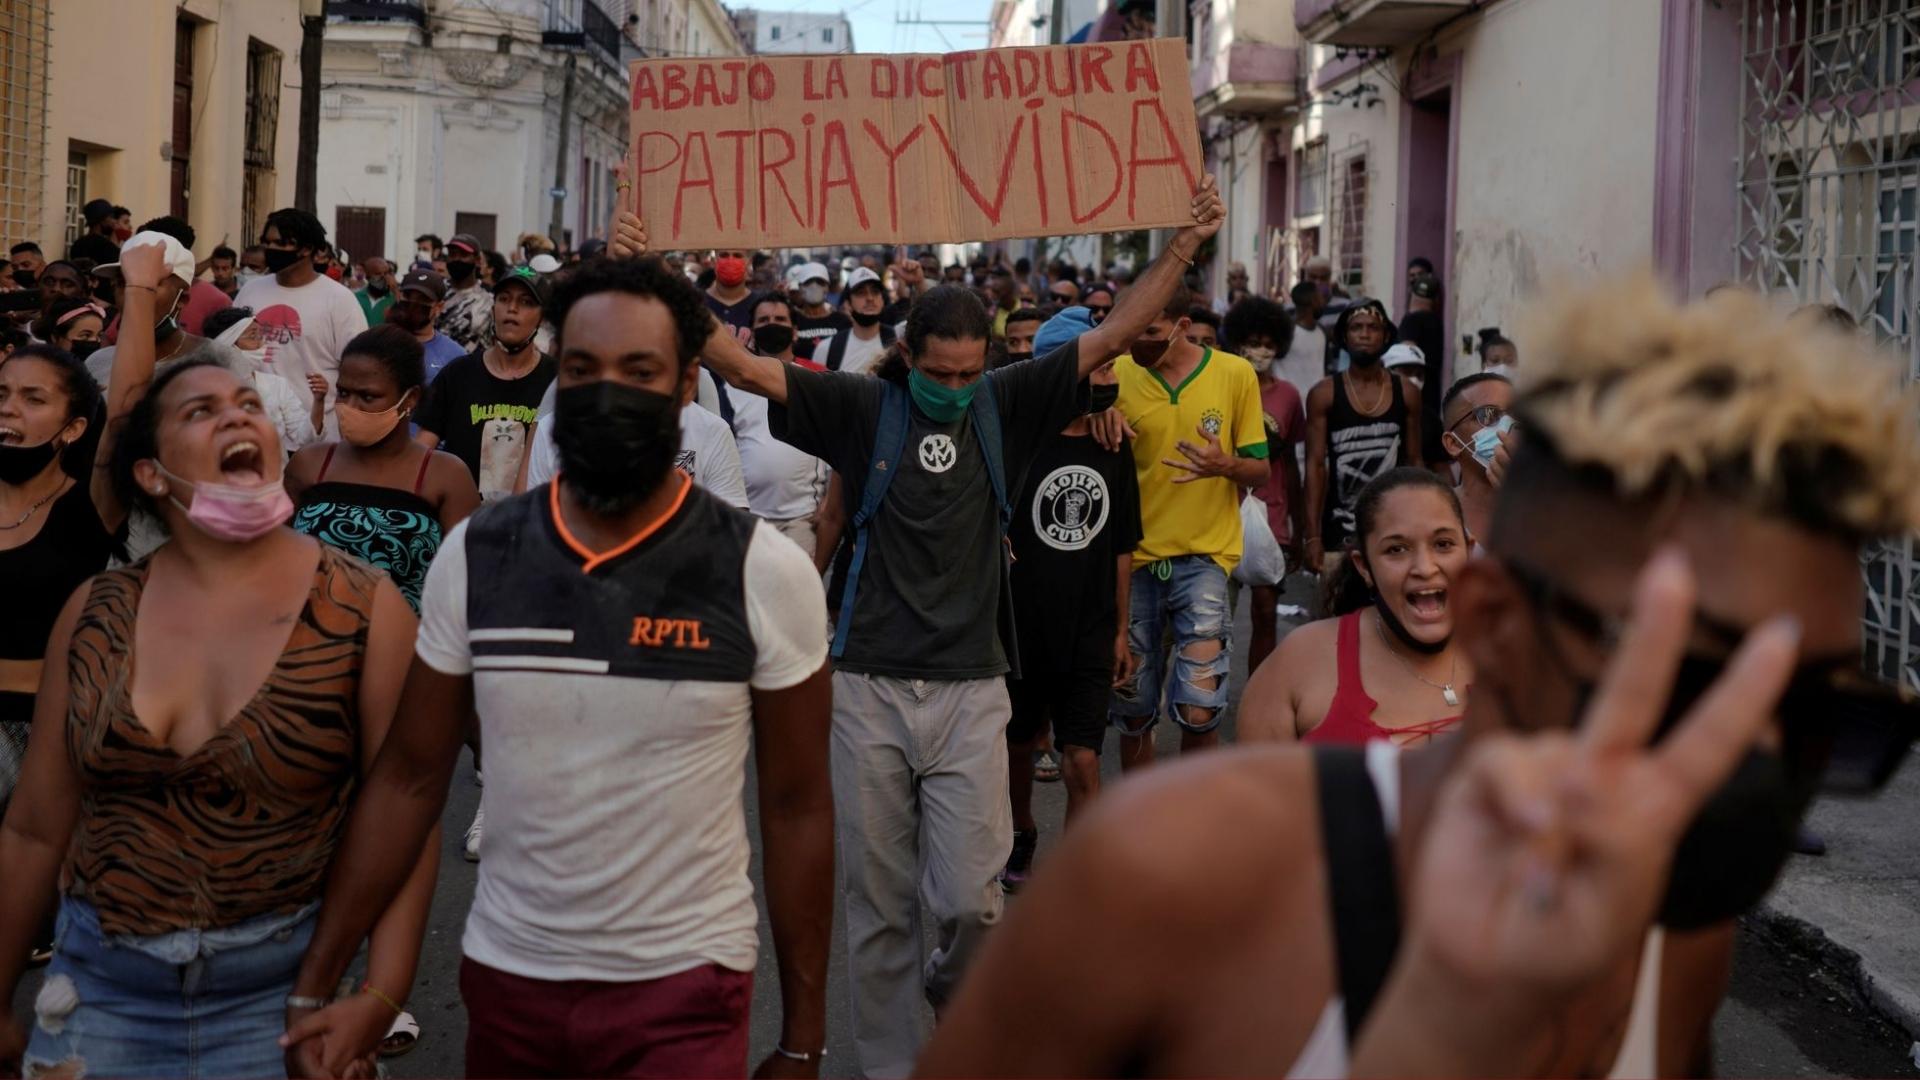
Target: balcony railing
{"points": [[577, 24], [413, 11]]}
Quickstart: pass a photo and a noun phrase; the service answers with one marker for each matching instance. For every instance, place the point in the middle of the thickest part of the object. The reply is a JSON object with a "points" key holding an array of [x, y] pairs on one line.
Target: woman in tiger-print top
{"points": [[202, 722]]}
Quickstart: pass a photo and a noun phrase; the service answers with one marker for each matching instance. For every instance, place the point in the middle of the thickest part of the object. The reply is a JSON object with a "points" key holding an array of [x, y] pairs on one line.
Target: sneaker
{"points": [[1020, 862], [473, 835], [479, 778], [1046, 767]]}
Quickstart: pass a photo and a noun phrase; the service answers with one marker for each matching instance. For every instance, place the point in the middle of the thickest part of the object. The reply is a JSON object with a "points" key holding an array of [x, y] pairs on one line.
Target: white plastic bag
{"points": [[1261, 561]]}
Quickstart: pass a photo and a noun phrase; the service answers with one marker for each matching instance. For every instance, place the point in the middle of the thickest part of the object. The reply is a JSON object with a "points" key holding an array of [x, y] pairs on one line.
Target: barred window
{"points": [[23, 117]]}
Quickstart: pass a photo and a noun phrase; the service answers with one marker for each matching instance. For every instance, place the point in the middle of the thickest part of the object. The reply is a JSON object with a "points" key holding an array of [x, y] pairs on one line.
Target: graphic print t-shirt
{"points": [[812, 332], [467, 315], [928, 601], [304, 329], [484, 420], [1079, 512]]}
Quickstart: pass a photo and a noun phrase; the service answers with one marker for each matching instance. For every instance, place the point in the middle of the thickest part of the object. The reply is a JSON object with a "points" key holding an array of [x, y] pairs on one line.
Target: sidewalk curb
{"points": [[1897, 1003]]}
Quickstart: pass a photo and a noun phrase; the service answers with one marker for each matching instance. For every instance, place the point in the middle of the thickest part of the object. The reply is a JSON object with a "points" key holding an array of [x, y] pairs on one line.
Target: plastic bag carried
{"points": [[1261, 560]]}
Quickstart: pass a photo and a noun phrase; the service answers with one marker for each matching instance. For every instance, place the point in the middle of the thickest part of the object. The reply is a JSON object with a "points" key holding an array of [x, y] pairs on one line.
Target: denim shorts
{"points": [[193, 1003], [1187, 595]]}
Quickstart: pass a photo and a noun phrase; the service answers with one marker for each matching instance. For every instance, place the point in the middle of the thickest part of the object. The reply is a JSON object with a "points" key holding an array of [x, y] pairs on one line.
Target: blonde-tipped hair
{"points": [[1725, 396]]}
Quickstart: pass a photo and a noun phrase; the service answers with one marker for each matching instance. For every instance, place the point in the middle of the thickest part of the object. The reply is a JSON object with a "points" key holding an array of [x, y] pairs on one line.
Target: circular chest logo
{"points": [[1070, 508], [1212, 421], [937, 453]]}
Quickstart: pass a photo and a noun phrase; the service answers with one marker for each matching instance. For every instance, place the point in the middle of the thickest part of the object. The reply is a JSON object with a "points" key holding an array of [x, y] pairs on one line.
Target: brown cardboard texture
{"points": [[801, 151]]}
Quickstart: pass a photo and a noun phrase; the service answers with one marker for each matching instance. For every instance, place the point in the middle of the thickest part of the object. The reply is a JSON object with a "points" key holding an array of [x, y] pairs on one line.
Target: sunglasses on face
{"points": [[1485, 416], [1833, 715]]}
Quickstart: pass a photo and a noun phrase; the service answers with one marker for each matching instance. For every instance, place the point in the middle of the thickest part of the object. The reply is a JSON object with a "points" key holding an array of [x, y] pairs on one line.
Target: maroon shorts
{"points": [[692, 1024]]}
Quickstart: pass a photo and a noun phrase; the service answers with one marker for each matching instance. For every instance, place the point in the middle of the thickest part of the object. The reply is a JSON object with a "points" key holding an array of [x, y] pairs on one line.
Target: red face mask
{"points": [[729, 270]]}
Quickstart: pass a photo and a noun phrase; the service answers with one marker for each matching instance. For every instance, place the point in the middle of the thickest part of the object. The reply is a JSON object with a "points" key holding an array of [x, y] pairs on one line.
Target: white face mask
{"points": [[256, 356], [814, 293], [1261, 358], [1507, 370], [245, 275]]}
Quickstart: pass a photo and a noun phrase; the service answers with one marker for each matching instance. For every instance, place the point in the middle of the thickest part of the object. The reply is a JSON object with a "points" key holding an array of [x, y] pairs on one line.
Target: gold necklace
{"points": [[1446, 689], [35, 508], [1379, 400]]}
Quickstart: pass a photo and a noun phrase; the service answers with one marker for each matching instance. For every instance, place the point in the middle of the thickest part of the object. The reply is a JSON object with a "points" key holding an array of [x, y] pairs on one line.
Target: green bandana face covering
{"points": [[942, 404]]}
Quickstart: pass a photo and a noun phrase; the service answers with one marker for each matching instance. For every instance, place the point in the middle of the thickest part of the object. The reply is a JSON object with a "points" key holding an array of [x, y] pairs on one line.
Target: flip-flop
{"points": [[1046, 767], [402, 1036]]}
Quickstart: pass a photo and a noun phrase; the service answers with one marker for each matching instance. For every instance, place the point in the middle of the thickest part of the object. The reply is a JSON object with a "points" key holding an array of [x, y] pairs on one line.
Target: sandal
{"points": [[402, 1036], [1046, 767]]}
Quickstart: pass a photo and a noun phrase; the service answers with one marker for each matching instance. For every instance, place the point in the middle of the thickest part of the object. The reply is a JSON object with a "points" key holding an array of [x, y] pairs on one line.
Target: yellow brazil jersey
{"points": [[1221, 396]]}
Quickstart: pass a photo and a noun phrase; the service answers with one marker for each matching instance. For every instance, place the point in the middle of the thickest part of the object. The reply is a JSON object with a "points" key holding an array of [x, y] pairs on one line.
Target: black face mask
{"points": [[83, 349], [1148, 352], [376, 289], [1399, 629], [616, 442], [25, 278], [410, 317], [1102, 398], [861, 318], [1733, 851], [772, 339], [459, 270], [278, 260], [19, 464]]}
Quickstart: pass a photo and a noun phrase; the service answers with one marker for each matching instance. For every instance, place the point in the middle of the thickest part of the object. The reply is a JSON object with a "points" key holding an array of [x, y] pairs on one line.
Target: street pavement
{"points": [[1790, 1011]]}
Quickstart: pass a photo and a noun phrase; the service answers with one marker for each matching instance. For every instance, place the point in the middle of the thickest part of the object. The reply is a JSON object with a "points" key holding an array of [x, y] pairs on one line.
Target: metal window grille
{"points": [[1350, 216], [75, 222], [1310, 191], [1829, 210], [23, 115], [263, 133]]}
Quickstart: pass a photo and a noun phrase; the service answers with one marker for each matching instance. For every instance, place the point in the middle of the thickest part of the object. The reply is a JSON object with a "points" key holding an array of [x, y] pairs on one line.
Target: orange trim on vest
{"points": [[595, 559]]}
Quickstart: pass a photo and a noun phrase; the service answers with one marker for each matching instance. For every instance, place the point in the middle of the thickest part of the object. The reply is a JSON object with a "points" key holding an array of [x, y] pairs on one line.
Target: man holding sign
{"points": [[920, 707]]}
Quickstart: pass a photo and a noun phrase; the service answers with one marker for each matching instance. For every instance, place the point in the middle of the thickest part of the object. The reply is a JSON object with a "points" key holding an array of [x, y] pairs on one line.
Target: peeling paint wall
{"points": [[1557, 104]]}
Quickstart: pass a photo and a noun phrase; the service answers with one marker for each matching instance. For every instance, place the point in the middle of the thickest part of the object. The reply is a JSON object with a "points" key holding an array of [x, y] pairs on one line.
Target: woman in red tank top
{"points": [[1384, 664]]}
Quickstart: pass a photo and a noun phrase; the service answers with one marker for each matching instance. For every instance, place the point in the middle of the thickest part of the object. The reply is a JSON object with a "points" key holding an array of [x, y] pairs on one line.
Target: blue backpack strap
{"points": [[889, 442], [986, 428]]}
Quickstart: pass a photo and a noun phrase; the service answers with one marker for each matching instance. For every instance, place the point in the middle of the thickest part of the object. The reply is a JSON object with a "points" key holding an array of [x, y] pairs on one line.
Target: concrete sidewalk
{"points": [[1859, 904]]}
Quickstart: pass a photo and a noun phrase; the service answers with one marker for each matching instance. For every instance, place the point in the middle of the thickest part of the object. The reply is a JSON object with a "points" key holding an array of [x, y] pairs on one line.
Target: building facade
{"points": [[210, 135], [779, 32], [490, 117]]}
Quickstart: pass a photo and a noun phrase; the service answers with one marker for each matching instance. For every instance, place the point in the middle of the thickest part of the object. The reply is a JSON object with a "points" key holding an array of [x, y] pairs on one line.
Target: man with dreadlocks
{"points": [[1666, 645]]}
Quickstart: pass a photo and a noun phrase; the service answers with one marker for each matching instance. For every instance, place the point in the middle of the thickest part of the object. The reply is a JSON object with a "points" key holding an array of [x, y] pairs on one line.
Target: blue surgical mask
{"points": [[1486, 441]]}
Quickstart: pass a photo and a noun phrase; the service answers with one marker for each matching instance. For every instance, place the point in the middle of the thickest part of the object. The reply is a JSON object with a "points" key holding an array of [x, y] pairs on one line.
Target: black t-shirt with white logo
{"points": [[928, 600], [812, 332], [1079, 512]]}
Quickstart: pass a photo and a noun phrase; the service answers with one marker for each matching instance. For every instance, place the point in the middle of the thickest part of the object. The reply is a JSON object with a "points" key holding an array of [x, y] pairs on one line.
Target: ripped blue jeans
{"points": [[1189, 595], [193, 1003]]}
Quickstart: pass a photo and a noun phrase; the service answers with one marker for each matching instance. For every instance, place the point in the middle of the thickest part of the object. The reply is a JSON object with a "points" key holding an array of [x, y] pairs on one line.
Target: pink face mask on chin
{"points": [[233, 513]]}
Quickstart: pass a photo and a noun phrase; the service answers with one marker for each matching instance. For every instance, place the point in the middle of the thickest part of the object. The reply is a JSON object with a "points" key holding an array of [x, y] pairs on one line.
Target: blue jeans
{"points": [[193, 1003], [1188, 594]]}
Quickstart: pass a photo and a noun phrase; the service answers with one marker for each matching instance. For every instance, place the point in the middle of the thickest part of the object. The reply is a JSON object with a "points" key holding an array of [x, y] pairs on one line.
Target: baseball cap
{"points": [[464, 240], [179, 259], [862, 276], [1404, 354], [527, 278], [425, 281], [806, 272], [543, 263], [1062, 328]]}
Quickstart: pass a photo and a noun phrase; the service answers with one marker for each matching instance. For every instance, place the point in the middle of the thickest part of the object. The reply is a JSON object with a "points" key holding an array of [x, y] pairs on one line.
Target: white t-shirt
{"points": [[707, 451], [860, 355], [616, 846], [305, 329], [1306, 361], [292, 410], [782, 483]]}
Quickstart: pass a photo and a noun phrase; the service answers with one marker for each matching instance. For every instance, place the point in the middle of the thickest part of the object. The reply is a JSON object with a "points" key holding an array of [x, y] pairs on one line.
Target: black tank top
{"points": [[394, 530], [1359, 448]]}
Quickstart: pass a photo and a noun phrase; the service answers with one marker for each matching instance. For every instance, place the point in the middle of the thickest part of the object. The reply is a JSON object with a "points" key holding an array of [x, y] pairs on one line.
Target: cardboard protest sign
{"points": [[801, 151]]}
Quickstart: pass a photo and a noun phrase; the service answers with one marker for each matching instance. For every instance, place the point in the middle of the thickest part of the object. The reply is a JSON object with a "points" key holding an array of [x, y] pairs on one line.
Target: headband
{"points": [[234, 333], [89, 309]]}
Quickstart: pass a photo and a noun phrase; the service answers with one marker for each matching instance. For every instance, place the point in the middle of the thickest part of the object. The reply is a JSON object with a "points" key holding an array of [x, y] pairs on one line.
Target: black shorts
{"points": [[1074, 700]]}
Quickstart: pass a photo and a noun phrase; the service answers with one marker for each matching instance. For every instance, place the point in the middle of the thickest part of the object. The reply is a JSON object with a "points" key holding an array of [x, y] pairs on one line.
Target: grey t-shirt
{"points": [[928, 602]]}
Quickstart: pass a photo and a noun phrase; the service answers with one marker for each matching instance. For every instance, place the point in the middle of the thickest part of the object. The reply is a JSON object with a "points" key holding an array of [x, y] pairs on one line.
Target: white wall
{"points": [[1346, 126], [1556, 153]]}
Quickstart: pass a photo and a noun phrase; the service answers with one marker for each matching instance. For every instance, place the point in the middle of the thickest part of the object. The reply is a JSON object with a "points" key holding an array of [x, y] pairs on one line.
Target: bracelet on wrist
{"points": [[791, 1056], [149, 288], [369, 988], [1175, 252], [1314, 540], [302, 1001]]}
